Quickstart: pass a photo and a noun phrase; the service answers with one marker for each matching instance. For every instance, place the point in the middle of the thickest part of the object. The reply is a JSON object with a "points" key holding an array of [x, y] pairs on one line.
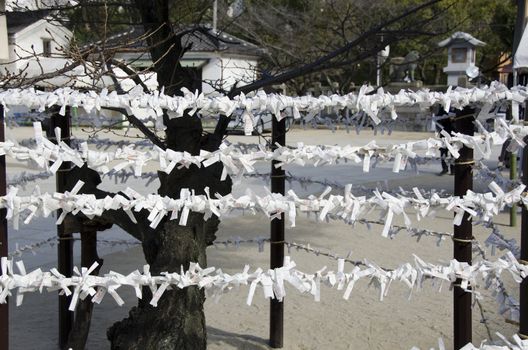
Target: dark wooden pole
{"points": [[65, 246], [523, 296], [278, 136], [4, 308], [84, 310], [522, 14], [463, 233]]}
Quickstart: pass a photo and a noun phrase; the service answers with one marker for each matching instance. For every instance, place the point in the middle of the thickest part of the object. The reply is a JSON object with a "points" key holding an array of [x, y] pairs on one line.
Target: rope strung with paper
{"points": [[215, 282], [508, 305], [237, 163], [482, 172], [372, 104], [496, 240], [19, 250], [100, 143], [346, 207], [24, 178], [53, 240]]}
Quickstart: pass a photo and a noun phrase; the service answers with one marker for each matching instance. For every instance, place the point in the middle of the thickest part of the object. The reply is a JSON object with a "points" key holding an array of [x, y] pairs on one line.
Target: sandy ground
{"points": [[362, 322]]}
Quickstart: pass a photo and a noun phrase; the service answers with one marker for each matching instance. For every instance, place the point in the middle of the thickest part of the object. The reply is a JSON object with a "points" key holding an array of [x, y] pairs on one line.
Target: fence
{"points": [[57, 157]]}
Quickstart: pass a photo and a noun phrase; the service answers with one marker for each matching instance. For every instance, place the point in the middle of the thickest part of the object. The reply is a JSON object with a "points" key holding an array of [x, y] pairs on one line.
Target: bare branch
{"points": [[141, 126], [319, 63], [131, 73]]}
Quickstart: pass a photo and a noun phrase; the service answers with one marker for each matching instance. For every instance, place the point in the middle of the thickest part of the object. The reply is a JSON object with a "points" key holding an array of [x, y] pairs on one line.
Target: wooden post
{"points": [[513, 177], [522, 13], [84, 310], [278, 136], [523, 296], [463, 234], [4, 308], [65, 246]]}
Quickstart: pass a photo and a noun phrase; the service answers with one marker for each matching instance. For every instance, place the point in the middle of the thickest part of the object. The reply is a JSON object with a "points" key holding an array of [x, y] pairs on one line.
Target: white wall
{"points": [[212, 71], [34, 36], [241, 70], [4, 53], [227, 71], [30, 39]]}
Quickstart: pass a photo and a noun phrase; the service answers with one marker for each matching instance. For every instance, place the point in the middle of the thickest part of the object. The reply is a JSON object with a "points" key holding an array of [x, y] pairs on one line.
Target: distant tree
{"points": [[294, 32]]}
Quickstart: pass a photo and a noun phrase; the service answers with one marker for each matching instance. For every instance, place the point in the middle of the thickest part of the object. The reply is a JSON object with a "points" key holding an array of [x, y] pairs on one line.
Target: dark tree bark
{"points": [[166, 48], [178, 322]]}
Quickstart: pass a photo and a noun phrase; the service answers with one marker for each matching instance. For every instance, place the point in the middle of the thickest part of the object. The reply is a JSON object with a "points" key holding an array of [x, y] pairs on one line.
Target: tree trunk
{"points": [[178, 322]]}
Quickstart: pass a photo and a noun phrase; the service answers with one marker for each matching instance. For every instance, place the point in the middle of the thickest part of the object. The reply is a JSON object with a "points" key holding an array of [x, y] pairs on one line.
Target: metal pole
{"points": [[278, 136], [4, 308], [463, 233], [215, 15], [523, 296], [65, 246]]}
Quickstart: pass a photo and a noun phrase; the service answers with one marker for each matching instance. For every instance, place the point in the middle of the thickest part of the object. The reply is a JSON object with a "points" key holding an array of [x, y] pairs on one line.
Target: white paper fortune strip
{"points": [[157, 101], [346, 207], [238, 163], [508, 306], [216, 282]]}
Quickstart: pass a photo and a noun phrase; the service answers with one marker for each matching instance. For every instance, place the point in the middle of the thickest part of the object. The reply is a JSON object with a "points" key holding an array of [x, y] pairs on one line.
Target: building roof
{"points": [[17, 21], [201, 40], [461, 37], [36, 5]]}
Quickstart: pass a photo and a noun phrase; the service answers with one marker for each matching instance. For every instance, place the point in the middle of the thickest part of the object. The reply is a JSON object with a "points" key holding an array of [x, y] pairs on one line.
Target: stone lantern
{"points": [[461, 55]]}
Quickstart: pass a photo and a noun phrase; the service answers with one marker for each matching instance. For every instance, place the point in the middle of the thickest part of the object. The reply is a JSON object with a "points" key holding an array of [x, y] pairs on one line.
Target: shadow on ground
{"points": [[218, 337]]}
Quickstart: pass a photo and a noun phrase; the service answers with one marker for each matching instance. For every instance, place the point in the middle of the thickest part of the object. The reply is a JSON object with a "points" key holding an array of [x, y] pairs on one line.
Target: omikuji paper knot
{"points": [[273, 282], [277, 105], [346, 207], [237, 163]]}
